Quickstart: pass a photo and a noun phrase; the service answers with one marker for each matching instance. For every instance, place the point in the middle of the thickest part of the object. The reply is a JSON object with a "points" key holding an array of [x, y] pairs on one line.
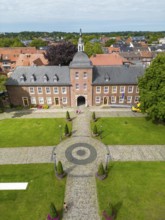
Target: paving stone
{"points": [[80, 195]]}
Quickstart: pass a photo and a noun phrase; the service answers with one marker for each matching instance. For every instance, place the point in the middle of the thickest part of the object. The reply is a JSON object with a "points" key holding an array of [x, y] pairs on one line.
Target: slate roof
{"points": [[80, 60], [60, 72], [117, 75]]}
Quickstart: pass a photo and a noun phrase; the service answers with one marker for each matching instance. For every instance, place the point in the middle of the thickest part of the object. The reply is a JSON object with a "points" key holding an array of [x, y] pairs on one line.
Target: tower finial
{"points": [[80, 32]]}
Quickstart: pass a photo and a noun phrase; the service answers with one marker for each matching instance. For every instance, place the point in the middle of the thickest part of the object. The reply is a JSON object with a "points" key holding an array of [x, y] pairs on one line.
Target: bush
{"points": [[93, 116], [66, 130], [45, 106], [1, 110], [60, 170], [53, 211], [101, 170], [19, 107], [95, 130], [108, 212], [67, 116]]}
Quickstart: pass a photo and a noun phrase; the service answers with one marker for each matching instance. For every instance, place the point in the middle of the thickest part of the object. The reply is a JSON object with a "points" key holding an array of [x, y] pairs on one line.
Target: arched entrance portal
{"points": [[80, 100]]}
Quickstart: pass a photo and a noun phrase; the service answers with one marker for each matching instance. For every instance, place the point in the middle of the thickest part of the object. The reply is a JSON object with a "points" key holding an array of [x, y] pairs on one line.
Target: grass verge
{"points": [[135, 189], [130, 131], [34, 202], [31, 132]]}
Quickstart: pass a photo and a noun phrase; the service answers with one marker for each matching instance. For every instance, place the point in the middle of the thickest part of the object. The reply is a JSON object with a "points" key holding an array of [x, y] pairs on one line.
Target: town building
{"points": [[79, 83]]}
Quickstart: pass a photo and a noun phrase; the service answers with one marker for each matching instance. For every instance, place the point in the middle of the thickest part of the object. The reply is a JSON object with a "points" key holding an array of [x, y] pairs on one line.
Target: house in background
{"points": [[80, 83]]}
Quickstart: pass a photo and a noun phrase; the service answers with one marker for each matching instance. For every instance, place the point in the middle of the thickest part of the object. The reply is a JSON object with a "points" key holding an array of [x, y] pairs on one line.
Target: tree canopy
{"points": [[10, 42], [38, 43], [2, 82], [91, 49], [110, 42], [61, 54], [152, 89]]}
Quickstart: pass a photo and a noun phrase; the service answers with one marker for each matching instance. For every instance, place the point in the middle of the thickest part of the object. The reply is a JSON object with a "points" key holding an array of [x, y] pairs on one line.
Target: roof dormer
{"points": [[55, 78], [22, 78], [107, 78], [45, 78], [33, 78]]}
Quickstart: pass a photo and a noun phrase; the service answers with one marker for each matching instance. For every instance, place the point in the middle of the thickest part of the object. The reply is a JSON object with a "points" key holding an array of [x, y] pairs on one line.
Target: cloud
{"points": [[64, 11]]}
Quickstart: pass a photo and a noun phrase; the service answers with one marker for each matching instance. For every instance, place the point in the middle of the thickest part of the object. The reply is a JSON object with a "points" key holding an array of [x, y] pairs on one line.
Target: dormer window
{"points": [[55, 78], [33, 78], [22, 78], [45, 78], [107, 78]]}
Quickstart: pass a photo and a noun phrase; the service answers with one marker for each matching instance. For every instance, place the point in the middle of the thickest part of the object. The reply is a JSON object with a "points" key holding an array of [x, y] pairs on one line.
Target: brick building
{"points": [[79, 83]]}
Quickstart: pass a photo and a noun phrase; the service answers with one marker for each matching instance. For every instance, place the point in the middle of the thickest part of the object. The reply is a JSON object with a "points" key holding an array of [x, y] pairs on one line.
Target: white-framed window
{"points": [[121, 99], [63, 89], [33, 100], [97, 99], [137, 89], [106, 89], [41, 100], [64, 100], [130, 89], [47, 90], [136, 99], [98, 89], [114, 89], [49, 100], [56, 91], [85, 86], [39, 90], [85, 75], [31, 90], [122, 89], [76, 75], [113, 99], [77, 86], [129, 99]]}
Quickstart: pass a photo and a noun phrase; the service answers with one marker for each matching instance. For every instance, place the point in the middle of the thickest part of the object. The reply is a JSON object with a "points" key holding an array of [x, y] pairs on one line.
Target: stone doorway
{"points": [[105, 102], [81, 100]]}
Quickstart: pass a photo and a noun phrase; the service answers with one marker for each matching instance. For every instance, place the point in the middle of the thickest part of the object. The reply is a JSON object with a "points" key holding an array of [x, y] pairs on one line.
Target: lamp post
{"points": [[106, 161], [55, 166], [60, 133]]}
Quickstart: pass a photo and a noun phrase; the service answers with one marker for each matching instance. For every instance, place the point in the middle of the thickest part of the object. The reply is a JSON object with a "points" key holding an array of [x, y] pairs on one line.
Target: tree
{"points": [[60, 170], [61, 54], [91, 49], [152, 89], [95, 130], [38, 43], [53, 211], [66, 130], [2, 82], [101, 170], [68, 116], [110, 42], [94, 116]]}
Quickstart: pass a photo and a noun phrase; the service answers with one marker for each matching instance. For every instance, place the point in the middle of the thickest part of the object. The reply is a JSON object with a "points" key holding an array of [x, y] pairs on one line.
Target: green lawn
{"points": [[130, 131], [135, 189], [31, 132], [34, 202]]}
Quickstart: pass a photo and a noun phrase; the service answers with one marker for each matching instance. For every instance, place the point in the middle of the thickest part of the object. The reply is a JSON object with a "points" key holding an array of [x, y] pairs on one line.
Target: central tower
{"points": [[81, 71]]}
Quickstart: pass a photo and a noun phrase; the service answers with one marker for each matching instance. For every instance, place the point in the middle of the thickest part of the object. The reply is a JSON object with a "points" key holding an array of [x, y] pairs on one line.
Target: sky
{"points": [[91, 16]]}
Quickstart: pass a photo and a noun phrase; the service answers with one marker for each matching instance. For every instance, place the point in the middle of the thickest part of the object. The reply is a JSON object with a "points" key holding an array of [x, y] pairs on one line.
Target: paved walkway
{"points": [[80, 156]]}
